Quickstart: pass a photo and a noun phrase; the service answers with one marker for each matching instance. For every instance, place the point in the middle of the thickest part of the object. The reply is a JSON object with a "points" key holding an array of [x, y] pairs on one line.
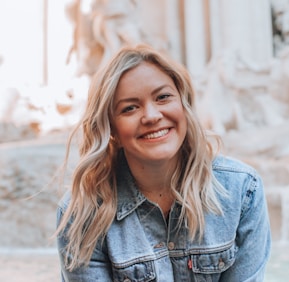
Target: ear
{"points": [[114, 136], [115, 141]]}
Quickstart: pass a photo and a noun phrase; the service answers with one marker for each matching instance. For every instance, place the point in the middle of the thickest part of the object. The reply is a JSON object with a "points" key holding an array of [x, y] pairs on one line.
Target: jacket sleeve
{"points": [[98, 269], [253, 237]]}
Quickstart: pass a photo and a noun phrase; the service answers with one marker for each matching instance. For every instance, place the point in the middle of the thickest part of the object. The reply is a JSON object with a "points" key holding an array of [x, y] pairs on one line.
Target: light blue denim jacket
{"points": [[142, 246]]}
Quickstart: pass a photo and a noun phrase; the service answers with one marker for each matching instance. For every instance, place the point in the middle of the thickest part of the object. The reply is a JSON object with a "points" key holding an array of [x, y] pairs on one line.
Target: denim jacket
{"points": [[141, 245]]}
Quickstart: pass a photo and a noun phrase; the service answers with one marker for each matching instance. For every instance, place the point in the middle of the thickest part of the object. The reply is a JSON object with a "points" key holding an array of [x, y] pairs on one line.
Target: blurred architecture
{"points": [[237, 52], [49, 51]]}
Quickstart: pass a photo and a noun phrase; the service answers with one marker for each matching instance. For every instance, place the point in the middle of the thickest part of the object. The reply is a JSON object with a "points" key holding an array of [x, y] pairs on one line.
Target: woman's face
{"points": [[148, 118]]}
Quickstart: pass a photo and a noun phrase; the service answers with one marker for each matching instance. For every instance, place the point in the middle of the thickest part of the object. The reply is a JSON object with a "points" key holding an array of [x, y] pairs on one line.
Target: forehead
{"points": [[144, 75]]}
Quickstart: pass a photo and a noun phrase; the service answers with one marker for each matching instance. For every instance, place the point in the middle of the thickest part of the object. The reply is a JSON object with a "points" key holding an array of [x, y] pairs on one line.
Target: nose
{"points": [[151, 114]]}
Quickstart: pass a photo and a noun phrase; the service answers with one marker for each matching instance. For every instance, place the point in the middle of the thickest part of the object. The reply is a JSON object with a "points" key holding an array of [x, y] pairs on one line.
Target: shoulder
{"points": [[233, 172], [64, 201], [62, 206], [241, 180], [231, 165], [235, 175]]}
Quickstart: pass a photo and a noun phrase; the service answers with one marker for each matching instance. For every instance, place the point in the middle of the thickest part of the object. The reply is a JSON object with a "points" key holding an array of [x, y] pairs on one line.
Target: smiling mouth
{"points": [[156, 134]]}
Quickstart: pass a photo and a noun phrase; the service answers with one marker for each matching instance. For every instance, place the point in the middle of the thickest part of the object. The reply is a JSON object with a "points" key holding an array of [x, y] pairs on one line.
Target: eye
{"points": [[163, 97], [128, 109]]}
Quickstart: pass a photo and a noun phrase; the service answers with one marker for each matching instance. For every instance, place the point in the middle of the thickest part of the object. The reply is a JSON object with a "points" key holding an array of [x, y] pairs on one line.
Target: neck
{"points": [[154, 181], [156, 189], [153, 178]]}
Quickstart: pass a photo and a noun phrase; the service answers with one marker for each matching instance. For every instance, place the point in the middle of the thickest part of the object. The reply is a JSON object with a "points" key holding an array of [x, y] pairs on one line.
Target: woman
{"points": [[151, 199]]}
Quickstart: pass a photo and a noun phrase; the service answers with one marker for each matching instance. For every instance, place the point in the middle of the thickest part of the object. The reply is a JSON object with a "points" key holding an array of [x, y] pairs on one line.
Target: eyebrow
{"points": [[133, 99]]}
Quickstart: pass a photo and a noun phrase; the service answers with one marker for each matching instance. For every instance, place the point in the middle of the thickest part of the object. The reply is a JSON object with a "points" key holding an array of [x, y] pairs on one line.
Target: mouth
{"points": [[156, 134]]}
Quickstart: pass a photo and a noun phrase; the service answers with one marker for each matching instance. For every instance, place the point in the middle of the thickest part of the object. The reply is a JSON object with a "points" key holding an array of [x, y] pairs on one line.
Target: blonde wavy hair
{"points": [[92, 206]]}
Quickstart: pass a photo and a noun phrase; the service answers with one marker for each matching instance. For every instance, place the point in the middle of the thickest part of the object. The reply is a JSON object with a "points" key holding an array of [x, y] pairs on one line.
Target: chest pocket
{"points": [[137, 272], [209, 266]]}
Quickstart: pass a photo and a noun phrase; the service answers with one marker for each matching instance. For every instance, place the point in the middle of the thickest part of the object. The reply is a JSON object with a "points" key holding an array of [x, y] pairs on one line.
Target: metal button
{"points": [[159, 245], [221, 264], [171, 245]]}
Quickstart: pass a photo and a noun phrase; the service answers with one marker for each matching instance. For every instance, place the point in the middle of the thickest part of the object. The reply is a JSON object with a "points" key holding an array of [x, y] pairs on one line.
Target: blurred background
{"points": [[237, 52]]}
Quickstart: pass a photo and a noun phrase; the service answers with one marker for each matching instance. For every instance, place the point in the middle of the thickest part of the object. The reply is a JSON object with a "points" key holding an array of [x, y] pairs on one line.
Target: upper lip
{"points": [[154, 131]]}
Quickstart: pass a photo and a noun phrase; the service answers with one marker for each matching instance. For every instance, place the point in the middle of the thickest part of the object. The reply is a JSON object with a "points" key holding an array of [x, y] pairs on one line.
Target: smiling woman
{"points": [[151, 200]]}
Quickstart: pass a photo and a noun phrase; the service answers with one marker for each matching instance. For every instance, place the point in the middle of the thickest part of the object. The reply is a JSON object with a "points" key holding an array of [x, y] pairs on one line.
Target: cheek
{"points": [[179, 114], [124, 130], [182, 120]]}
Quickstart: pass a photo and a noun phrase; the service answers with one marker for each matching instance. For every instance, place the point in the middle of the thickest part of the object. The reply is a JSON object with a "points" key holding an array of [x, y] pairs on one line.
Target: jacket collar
{"points": [[129, 197]]}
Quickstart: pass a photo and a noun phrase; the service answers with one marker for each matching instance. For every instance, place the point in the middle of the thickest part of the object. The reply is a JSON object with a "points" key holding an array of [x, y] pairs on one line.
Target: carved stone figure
{"points": [[101, 30], [280, 24]]}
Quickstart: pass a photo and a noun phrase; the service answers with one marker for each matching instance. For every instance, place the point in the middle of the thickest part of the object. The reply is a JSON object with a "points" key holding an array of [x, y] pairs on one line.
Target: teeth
{"points": [[156, 134]]}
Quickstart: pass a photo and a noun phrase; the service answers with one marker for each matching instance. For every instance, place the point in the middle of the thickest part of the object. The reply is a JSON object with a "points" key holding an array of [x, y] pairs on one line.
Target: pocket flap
{"points": [[214, 262], [137, 272]]}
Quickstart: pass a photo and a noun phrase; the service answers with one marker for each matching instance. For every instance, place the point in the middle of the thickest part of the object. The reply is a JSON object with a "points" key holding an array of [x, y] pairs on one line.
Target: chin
{"points": [[163, 157]]}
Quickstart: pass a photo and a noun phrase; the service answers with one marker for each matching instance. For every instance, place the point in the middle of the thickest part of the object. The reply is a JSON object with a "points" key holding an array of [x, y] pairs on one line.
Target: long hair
{"points": [[92, 207]]}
